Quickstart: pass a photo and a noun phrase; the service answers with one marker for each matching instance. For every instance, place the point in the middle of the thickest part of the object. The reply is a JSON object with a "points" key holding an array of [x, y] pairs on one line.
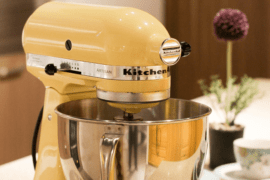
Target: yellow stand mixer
{"points": [[118, 54]]}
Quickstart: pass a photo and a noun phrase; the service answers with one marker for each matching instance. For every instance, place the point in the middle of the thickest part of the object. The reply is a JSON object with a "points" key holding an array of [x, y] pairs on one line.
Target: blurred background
{"points": [[22, 95]]}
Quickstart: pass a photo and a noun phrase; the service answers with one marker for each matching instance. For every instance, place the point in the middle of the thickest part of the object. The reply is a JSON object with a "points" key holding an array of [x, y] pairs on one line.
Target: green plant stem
{"points": [[229, 77], [229, 60]]}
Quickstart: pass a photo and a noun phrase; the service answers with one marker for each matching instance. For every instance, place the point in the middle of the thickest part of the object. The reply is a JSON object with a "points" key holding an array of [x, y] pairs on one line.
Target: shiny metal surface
{"points": [[197, 173], [170, 51], [133, 97], [167, 144], [128, 73], [108, 144], [98, 111]]}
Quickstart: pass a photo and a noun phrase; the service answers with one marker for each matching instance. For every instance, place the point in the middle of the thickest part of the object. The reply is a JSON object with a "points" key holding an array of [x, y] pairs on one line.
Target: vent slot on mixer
{"points": [[71, 71]]}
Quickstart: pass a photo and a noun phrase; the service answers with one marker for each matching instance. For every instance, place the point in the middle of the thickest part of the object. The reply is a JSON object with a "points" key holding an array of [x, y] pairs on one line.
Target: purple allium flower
{"points": [[230, 25]]}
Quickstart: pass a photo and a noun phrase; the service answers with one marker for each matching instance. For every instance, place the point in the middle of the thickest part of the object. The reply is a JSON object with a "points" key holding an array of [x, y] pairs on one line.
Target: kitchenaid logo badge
{"points": [[170, 52], [140, 72]]}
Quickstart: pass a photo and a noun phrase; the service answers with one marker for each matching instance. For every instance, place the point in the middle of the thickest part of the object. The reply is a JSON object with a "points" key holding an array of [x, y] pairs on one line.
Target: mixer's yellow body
{"points": [[116, 36], [98, 38], [106, 35], [48, 164]]}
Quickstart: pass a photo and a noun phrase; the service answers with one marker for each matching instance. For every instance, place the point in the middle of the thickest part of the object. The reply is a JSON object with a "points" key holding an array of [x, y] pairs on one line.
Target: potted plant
{"points": [[230, 25]]}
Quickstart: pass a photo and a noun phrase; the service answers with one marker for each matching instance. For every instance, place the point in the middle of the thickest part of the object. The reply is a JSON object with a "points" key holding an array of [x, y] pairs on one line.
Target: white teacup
{"points": [[254, 157]]}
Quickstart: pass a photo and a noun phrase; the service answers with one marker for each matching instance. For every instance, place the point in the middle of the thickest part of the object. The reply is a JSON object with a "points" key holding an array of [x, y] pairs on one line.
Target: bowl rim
{"points": [[237, 141], [145, 122]]}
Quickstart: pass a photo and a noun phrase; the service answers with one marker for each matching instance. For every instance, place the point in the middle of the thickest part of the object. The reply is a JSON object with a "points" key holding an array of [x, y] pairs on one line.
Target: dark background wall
{"points": [[13, 15], [21, 94], [191, 21]]}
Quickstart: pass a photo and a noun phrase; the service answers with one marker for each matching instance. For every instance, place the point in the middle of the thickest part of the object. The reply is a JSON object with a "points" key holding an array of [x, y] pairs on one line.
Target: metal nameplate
{"points": [[170, 51], [134, 73]]}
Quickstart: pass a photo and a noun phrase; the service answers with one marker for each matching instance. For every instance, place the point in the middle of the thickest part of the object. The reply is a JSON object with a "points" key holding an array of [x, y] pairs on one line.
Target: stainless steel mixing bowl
{"points": [[168, 141]]}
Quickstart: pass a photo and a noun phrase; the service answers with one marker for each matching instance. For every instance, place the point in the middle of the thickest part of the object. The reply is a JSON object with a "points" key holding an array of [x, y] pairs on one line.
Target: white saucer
{"points": [[231, 172], [207, 175]]}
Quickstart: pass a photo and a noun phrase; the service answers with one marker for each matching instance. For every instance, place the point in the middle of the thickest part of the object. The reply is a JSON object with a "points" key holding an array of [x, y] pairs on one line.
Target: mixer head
{"points": [[124, 54]]}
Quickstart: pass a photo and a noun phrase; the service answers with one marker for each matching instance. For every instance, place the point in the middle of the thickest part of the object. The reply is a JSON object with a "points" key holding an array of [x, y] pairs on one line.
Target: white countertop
{"points": [[256, 119], [22, 169]]}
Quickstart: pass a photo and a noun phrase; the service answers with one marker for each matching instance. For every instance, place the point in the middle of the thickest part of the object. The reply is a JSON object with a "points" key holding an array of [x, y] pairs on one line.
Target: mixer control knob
{"points": [[50, 69], [186, 49]]}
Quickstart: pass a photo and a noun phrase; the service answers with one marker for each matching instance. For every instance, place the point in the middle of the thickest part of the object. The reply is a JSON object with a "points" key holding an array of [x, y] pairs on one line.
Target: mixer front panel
{"points": [[128, 73]]}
